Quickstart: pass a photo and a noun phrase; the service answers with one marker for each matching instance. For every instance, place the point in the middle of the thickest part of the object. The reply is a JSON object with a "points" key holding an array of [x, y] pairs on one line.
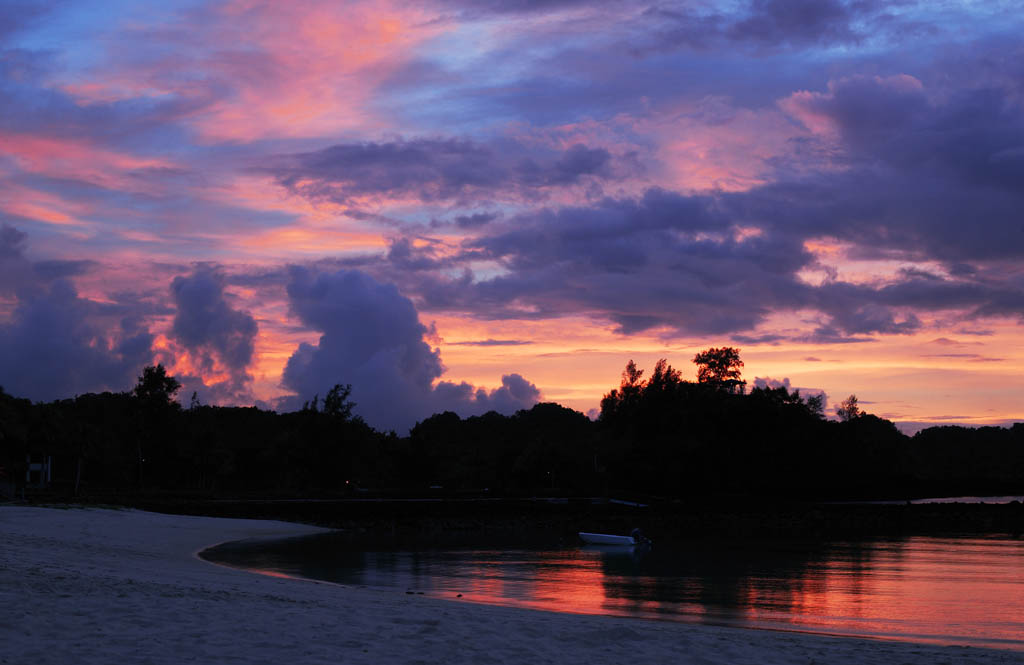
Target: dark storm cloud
{"points": [[916, 175], [59, 345], [207, 325], [974, 135], [436, 169], [662, 260], [56, 344], [676, 261], [372, 338], [935, 179], [667, 260]]}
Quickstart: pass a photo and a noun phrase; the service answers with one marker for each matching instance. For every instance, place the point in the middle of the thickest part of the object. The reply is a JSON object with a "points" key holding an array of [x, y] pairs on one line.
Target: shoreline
{"points": [[552, 522], [92, 585]]}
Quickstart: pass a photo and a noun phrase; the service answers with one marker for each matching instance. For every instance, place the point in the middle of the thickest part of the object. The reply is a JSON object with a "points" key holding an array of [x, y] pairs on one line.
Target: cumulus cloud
{"points": [[56, 344], [917, 161], [515, 393], [217, 336], [769, 382], [372, 338]]}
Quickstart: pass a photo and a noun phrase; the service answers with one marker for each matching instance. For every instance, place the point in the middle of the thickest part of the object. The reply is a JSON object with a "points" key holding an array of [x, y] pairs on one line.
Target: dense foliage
{"points": [[662, 436]]}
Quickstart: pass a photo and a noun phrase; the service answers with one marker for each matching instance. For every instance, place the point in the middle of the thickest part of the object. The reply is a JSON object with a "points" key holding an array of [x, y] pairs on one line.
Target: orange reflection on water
{"points": [[921, 587], [951, 591], [563, 583], [937, 590], [574, 581], [273, 573]]}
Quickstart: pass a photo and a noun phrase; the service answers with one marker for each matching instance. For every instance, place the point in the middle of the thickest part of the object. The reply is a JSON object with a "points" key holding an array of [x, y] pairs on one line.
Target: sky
{"points": [[475, 205]]}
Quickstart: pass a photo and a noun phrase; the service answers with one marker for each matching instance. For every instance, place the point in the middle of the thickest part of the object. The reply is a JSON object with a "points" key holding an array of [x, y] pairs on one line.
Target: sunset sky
{"points": [[478, 205]]}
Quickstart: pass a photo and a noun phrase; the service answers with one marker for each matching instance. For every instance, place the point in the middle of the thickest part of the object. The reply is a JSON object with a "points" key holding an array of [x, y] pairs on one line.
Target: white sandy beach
{"points": [[125, 586]]}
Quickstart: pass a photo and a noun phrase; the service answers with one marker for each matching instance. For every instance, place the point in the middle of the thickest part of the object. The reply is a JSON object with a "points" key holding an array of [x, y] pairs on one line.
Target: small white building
{"points": [[38, 470]]}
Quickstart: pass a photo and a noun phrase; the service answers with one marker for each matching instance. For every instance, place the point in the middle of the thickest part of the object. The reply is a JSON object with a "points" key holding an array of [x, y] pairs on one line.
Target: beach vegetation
{"points": [[657, 435]]}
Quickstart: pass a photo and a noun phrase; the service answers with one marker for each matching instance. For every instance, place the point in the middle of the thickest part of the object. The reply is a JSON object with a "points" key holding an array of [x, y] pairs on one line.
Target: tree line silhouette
{"points": [[660, 436]]}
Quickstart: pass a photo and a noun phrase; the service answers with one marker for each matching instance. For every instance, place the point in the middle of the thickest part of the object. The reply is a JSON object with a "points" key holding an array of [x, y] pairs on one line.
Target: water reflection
{"points": [[942, 590]]}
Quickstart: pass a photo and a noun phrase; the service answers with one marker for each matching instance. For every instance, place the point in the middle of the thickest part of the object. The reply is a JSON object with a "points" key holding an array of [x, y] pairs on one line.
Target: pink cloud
{"points": [[40, 206], [699, 144], [78, 159], [814, 109], [262, 69], [711, 144]]}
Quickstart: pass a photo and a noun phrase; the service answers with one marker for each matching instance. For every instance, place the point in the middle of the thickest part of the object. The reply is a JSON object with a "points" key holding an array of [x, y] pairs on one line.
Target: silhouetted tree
{"points": [[337, 403], [664, 378], [155, 387], [619, 399], [660, 437], [155, 390], [816, 404], [720, 367], [848, 409]]}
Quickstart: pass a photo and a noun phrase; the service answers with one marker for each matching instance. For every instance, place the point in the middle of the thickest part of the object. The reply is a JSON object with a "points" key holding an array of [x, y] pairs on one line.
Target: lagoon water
{"points": [[965, 591]]}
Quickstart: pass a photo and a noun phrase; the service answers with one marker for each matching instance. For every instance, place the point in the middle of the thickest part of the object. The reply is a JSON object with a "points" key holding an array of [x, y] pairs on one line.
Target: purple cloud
{"points": [[438, 170], [55, 344], [767, 26], [372, 338], [210, 328], [58, 345]]}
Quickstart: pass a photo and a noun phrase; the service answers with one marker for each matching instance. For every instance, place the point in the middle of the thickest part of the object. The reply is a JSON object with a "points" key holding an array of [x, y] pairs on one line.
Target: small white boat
{"points": [[606, 539]]}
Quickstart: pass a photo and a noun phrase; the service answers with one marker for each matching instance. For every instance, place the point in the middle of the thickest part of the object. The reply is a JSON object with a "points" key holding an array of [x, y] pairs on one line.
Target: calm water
{"points": [[967, 591]]}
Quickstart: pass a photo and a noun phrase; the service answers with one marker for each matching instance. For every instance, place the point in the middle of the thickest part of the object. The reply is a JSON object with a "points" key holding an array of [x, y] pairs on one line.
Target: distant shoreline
{"points": [[553, 521]]}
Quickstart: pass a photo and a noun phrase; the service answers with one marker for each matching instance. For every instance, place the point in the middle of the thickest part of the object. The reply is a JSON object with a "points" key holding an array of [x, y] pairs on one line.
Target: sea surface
{"points": [[948, 590]]}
